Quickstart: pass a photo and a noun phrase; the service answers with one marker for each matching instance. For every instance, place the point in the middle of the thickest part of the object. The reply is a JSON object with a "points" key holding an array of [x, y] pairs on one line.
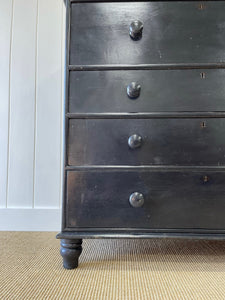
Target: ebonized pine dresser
{"points": [[144, 122]]}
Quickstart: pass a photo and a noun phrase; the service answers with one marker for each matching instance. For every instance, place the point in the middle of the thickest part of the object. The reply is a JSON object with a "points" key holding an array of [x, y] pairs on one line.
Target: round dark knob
{"points": [[136, 199], [205, 179], [136, 28], [134, 141], [133, 90]]}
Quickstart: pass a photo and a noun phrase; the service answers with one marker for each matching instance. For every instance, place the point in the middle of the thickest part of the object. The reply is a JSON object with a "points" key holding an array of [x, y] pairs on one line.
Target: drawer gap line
{"points": [[160, 115], [146, 67]]}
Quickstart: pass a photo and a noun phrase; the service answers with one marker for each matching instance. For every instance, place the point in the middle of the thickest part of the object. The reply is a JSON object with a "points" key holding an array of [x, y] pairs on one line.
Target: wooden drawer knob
{"points": [[133, 90], [136, 28], [135, 141], [136, 199]]}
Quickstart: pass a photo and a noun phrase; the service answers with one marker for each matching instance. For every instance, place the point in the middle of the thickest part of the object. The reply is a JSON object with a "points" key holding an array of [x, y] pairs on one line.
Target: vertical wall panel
{"points": [[22, 104], [5, 37], [49, 103]]}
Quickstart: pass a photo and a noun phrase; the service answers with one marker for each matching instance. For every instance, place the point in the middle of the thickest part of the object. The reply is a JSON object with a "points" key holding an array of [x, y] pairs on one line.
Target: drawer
{"points": [[144, 199], [155, 90], [173, 32], [146, 142]]}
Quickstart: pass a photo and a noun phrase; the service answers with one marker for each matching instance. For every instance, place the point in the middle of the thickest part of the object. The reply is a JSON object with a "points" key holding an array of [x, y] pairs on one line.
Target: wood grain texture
{"points": [[178, 121], [164, 142], [47, 174], [100, 33], [161, 91], [22, 104], [172, 200], [5, 46]]}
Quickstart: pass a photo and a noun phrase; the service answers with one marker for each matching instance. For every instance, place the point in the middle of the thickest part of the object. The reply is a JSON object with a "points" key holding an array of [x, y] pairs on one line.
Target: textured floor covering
{"points": [[31, 268]]}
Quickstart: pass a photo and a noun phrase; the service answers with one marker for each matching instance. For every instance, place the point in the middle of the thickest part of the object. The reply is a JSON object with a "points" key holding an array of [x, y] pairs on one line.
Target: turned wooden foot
{"points": [[70, 251]]}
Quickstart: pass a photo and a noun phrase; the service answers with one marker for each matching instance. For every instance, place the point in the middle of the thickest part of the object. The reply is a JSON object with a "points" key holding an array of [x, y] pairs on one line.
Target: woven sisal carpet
{"points": [[31, 268]]}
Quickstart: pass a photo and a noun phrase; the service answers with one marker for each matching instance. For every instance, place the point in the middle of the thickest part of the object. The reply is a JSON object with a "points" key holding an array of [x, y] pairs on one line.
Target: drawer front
{"points": [[173, 32], [146, 142], [171, 200], [160, 90]]}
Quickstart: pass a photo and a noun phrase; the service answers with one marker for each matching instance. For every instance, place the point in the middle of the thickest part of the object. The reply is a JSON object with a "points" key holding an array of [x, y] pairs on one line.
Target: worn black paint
{"points": [[174, 32], [173, 200], [70, 250], [179, 168], [161, 90], [164, 142]]}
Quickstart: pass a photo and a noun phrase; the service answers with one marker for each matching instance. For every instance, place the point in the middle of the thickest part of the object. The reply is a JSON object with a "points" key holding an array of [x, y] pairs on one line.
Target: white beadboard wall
{"points": [[32, 34]]}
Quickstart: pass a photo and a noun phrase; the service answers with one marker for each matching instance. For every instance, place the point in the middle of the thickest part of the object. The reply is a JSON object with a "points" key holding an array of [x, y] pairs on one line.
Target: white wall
{"points": [[31, 93]]}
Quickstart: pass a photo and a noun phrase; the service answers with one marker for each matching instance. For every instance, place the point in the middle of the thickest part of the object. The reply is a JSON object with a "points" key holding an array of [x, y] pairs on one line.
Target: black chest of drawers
{"points": [[144, 122]]}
